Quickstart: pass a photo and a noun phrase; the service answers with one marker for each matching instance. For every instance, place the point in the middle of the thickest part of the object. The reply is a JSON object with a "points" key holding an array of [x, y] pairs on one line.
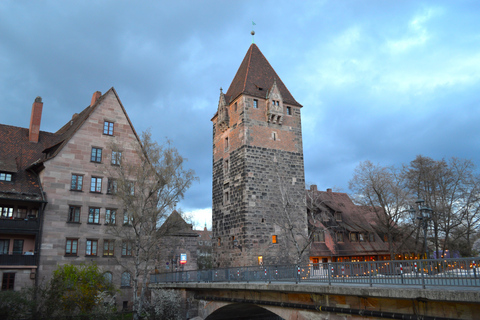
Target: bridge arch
{"points": [[243, 311]]}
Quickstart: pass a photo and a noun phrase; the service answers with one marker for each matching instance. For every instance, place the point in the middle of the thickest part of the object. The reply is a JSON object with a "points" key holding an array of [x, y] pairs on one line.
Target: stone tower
{"points": [[259, 213]]}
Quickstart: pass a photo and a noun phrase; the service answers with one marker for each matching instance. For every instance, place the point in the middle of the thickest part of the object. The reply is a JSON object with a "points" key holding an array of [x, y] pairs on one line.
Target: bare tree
{"points": [[148, 186], [446, 186], [383, 190], [290, 218]]}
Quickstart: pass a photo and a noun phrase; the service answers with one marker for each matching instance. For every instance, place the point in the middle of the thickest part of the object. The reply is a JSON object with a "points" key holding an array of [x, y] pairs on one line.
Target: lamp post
{"points": [[424, 214]]}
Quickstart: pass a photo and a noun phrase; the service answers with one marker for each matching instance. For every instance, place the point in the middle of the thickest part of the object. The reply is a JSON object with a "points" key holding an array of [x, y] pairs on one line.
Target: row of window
{"points": [[17, 246], [92, 249], [96, 156], [319, 236], [74, 213], [76, 184], [274, 102], [9, 212]]}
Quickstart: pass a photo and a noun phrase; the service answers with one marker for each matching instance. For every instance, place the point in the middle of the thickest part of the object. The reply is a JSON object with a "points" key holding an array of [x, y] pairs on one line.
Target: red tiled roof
{"points": [[354, 219], [15, 147], [255, 77]]}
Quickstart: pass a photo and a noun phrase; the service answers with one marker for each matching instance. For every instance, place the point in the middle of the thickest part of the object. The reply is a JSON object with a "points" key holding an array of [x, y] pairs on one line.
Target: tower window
{"points": [[226, 144], [255, 103], [235, 106], [226, 198], [226, 166], [289, 111], [274, 136], [274, 239]]}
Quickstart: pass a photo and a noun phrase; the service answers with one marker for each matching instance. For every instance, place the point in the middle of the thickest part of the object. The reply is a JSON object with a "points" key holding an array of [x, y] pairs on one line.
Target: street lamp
{"points": [[423, 214]]}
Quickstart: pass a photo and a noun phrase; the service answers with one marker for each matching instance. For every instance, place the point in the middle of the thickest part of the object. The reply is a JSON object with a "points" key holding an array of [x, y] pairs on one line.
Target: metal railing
{"points": [[432, 272], [18, 260]]}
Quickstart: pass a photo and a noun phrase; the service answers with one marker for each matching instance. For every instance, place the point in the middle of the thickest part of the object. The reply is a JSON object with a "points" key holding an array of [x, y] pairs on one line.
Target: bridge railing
{"points": [[431, 272]]}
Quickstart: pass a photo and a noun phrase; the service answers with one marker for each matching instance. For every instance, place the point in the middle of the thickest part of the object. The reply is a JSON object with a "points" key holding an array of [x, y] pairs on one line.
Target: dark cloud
{"points": [[382, 81]]}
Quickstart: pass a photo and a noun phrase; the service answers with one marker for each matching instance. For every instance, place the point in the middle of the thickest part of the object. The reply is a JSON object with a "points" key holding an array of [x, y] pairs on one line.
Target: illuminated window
{"points": [[6, 212], [108, 247], [274, 239], [260, 260]]}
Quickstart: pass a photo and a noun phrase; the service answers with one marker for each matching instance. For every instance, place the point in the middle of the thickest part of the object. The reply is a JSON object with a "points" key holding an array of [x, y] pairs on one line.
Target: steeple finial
{"points": [[253, 32]]}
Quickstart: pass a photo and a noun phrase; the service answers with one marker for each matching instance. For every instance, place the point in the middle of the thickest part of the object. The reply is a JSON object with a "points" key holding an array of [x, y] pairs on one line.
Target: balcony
{"points": [[29, 225], [18, 260]]}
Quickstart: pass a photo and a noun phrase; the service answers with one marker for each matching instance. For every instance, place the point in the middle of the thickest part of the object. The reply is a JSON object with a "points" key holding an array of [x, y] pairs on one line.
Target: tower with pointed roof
{"points": [[258, 189]]}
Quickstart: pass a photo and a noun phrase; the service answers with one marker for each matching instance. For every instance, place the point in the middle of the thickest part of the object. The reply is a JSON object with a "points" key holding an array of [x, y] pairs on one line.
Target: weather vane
{"points": [[253, 32]]}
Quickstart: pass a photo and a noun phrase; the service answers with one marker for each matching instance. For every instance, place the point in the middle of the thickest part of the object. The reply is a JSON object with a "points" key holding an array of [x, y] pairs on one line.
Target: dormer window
{"points": [[5, 176], [338, 216]]}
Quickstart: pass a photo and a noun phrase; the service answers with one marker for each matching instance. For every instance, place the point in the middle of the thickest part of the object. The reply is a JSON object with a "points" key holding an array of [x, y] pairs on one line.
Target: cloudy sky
{"points": [[379, 80]]}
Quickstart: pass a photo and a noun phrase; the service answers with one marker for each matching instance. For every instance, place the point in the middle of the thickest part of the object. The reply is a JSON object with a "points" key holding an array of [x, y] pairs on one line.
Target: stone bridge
{"points": [[261, 300]]}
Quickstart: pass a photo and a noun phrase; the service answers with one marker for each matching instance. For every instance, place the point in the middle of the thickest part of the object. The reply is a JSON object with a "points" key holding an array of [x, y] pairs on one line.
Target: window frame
{"points": [[110, 216], [255, 103], [126, 276], [6, 246], [127, 249], [76, 217], [289, 111], [127, 219], [94, 214], [340, 237], [112, 186], [107, 129], [93, 250], [108, 247], [96, 155], [116, 159], [6, 212], [319, 236], [6, 176], [97, 185], [69, 252], [76, 182], [8, 281]]}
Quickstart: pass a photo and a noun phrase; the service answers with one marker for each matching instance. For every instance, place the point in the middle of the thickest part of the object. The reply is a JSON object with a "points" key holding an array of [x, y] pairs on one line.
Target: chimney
{"points": [[313, 187], [329, 190], [36, 117], [96, 95]]}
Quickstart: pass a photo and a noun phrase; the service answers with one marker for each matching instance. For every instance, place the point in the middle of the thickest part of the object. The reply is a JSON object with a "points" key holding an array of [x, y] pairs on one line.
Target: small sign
{"points": [[183, 258]]}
